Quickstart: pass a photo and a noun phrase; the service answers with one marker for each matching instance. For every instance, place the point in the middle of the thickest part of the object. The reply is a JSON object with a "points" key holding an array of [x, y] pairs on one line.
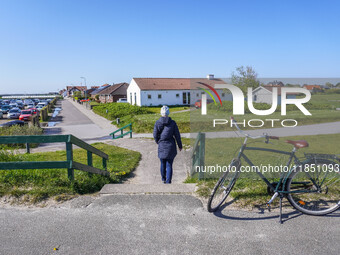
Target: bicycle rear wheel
{"points": [[314, 188], [223, 187]]}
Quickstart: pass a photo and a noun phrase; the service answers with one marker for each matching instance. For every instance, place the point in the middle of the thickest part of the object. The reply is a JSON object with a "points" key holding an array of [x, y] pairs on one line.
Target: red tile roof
{"points": [[174, 83], [311, 87]]}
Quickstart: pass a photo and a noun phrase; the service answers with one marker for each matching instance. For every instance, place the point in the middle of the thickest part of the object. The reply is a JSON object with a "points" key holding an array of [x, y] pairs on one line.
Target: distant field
{"points": [[332, 99]]}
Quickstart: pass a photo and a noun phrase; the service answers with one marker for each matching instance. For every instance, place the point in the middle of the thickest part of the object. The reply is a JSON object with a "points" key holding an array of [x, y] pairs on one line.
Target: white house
{"points": [[263, 94], [172, 91]]}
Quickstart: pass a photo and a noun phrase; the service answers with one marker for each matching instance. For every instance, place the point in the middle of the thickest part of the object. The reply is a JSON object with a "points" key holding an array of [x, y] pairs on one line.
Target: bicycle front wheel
{"points": [[223, 187], [314, 188]]}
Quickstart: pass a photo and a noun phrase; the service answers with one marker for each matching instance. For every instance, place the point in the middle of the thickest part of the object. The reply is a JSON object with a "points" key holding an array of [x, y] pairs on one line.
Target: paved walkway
{"points": [[76, 120], [161, 224], [148, 170]]}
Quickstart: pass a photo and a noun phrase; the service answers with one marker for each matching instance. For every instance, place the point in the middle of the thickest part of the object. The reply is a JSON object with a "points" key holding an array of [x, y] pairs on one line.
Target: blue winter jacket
{"points": [[165, 132]]}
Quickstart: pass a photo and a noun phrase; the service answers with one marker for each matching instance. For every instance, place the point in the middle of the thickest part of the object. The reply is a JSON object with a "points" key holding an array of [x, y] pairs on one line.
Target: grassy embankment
{"points": [[142, 118], [37, 185], [250, 191]]}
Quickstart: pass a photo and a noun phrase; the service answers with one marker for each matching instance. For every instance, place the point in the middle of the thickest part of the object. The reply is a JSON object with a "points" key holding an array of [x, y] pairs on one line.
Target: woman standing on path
{"points": [[165, 132]]}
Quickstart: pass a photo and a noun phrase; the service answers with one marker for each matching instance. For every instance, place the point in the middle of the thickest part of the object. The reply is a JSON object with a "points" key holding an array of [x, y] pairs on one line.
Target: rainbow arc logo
{"points": [[209, 93]]}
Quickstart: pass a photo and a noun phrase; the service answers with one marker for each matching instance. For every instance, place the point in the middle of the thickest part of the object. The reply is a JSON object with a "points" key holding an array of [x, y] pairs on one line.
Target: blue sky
{"points": [[47, 45]]}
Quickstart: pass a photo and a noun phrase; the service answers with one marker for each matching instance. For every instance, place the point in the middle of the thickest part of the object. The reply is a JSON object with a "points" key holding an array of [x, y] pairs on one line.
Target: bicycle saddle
{"points": [[298, 144]]}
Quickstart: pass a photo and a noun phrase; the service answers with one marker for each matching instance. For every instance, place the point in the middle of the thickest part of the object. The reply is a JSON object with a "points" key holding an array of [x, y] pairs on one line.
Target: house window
{"points": [[135, 98], [130, 98], [202, 92], [159, 96], [177, 95], [223, 94], [197, 95], [255, 98], [149, 96]]}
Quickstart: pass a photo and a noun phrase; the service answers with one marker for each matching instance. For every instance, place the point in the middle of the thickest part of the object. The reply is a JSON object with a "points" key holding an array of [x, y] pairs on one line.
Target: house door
{"points": [[186, 97]]}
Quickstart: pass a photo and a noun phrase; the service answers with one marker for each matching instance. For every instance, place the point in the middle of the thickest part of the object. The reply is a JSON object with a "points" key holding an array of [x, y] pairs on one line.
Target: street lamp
{"points": [[85, 85]]}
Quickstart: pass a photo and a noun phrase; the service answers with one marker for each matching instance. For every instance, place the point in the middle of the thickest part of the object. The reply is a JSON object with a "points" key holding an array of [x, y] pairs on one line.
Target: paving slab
{"points": [[148, 189]]}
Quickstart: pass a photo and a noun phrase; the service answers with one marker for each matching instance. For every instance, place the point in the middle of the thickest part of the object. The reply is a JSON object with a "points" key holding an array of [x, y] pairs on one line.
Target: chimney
{"points": [[210, 76]]}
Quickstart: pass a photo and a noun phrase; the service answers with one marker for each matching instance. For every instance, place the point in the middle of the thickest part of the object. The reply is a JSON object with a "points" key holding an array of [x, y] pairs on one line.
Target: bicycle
{"points": [[311, 186]]}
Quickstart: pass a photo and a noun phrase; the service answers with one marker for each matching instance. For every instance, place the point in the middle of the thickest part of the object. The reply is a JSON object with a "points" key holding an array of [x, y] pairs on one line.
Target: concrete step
{"points": [[184, 188]]}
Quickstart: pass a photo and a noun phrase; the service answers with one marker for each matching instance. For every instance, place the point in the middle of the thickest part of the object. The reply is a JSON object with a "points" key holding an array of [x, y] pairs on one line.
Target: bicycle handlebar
{"points": [[251, 136]]}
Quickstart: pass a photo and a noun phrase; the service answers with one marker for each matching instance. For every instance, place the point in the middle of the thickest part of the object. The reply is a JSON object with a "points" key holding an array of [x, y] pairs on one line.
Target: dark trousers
{"points": [[166, 170]]}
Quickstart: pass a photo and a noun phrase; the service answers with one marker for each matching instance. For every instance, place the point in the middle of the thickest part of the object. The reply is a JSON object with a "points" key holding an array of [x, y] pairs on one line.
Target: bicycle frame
{"points": [[283, 176]]}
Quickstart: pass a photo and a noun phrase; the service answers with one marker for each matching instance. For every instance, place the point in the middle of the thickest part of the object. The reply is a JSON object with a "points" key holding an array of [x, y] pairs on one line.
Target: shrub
{"points": [[17, 130], [112, 111]]}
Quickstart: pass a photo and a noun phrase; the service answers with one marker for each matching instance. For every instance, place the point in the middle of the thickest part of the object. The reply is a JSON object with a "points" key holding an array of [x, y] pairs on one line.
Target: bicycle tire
{"points": [[220, 192], [320, 199]]}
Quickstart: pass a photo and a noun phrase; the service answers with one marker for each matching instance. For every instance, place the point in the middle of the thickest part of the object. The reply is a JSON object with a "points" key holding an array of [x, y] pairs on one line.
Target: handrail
{"points": [[80, 143], [122, 132], [70, 164]]}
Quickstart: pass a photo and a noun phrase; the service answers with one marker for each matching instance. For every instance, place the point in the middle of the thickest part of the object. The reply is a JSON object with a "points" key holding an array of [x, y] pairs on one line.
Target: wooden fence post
{"points": [[27, 148], [69, 155], [201, 155]]}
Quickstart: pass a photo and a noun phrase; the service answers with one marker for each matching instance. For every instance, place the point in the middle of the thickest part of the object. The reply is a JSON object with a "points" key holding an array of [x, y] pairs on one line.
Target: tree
{"points": [[329, 85], [244, 78], [77, 94], [337, 85]]}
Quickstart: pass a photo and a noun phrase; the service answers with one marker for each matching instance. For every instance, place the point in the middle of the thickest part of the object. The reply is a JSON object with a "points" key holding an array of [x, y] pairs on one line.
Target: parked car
{"points": [[13, 113], [43, 104], [198, 103], [5, 102], [5, 108], [34, 110], [1, 114], [39, 107], [28, 101], [122, 100], [26, 115], [30, 105], [13, 105], [13, 123]]}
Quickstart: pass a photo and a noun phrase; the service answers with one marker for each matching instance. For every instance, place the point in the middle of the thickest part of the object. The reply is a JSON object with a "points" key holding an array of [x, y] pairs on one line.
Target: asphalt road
{"points": [[161, 224], [71, 120]]}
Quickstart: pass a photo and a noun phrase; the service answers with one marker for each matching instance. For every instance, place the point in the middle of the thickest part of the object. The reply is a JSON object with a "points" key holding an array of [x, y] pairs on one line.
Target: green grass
{"points": [[157, 109], [144, 123], [94, 103], [41, 184], [249, 190], [332, 99]]}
